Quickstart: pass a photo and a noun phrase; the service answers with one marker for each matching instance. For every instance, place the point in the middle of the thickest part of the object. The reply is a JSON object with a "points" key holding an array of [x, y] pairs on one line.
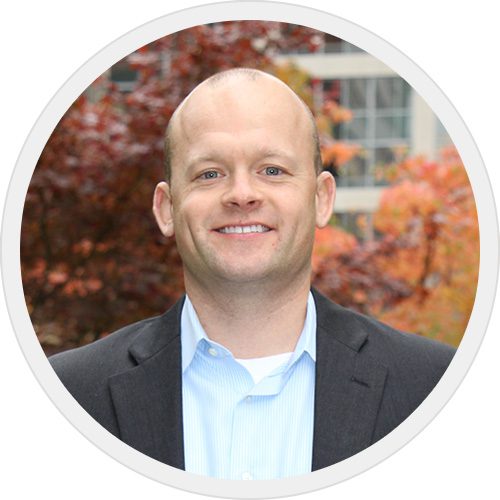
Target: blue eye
{"points": [[210, 174], [273, 171]]}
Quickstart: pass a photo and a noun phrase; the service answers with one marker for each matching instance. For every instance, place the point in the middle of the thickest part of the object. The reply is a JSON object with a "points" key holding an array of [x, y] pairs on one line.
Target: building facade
{"points": [[389, 120]]}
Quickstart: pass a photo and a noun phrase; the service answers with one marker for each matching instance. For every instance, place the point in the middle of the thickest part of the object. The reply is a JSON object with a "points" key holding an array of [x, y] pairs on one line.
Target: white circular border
{"points": [[268, 11]]}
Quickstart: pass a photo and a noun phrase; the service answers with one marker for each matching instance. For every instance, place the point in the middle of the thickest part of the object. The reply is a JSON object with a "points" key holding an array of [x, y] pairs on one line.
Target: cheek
{"points": [[184, 206], [300, 208], [190, 219]]}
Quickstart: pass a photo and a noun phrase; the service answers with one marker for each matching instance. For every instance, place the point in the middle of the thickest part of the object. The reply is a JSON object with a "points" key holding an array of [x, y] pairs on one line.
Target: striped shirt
{"points": [[235, 428]]}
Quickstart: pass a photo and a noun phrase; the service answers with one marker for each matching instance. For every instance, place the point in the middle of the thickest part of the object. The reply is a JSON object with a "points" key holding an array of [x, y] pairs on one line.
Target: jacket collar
{"points": [[148, 398], [349, 385]]}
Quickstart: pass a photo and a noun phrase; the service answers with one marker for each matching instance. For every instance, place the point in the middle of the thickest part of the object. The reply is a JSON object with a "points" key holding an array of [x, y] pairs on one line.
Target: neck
{"points": [[252, 320]]}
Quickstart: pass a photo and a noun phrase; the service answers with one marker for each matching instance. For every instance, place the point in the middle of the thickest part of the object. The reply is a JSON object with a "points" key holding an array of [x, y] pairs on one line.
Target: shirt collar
{"points": [[192, 333]]}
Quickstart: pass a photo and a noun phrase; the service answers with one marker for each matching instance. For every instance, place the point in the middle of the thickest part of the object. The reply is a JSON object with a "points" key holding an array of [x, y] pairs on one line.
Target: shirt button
{"points": [[246, 476], [213, 352]]}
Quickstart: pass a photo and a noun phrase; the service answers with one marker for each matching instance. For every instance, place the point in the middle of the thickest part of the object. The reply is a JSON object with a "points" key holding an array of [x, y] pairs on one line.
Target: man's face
{"points": [[244, 197]]}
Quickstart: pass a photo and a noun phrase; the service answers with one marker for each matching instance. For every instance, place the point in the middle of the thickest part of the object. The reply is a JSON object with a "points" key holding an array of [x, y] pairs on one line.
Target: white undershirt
{"points": [[260, 368]]}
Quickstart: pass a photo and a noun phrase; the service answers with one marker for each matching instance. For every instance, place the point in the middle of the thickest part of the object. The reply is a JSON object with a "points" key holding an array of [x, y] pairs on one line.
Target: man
{"points": [[251, 375]]}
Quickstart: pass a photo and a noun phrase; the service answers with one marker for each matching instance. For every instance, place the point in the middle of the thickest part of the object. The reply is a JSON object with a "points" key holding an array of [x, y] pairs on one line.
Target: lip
{"points": [[251, 234]]}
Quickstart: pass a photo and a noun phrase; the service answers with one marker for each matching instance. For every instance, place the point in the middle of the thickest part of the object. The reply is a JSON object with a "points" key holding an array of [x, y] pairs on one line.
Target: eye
{"points": [[273, 171], [209, 174]]}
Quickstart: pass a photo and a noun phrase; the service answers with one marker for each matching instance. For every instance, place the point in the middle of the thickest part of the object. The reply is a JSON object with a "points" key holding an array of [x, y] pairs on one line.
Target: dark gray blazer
{"points": [[369, 378]]}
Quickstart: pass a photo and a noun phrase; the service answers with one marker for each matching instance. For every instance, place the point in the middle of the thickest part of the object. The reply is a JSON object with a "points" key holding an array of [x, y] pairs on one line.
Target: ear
{"points": [[162, 209], [325, 198]]}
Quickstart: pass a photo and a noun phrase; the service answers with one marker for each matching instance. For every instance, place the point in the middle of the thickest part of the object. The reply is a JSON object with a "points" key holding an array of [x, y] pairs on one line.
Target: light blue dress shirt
{"points": [[236, 429]]}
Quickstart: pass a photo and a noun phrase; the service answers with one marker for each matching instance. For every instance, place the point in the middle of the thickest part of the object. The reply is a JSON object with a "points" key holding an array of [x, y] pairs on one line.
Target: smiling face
{"points": [[244, 197]]}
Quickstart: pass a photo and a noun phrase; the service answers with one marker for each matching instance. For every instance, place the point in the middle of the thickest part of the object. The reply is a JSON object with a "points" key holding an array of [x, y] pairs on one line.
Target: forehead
{"points": [[241, 106]]}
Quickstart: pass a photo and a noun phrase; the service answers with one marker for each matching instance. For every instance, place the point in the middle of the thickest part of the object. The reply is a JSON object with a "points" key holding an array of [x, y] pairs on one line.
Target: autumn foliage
{"points": [[420, 273], [93, 260]]}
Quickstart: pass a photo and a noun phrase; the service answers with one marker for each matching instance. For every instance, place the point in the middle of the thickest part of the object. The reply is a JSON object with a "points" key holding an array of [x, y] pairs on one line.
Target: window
{"points": [[380, 124], [333, 44], [123, 76], [442, 137], [360, 224]]}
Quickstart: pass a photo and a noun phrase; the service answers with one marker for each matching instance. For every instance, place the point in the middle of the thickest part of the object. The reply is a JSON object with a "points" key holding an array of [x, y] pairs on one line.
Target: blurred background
{"points": [[402, 246]]}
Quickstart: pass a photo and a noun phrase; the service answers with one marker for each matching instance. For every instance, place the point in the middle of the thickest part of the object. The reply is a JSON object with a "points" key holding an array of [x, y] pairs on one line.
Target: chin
{"points": [[245, 274], [240, 271]]}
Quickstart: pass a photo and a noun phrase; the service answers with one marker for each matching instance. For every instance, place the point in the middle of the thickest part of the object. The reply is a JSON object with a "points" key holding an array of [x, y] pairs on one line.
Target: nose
{"points": [[242, 192]]}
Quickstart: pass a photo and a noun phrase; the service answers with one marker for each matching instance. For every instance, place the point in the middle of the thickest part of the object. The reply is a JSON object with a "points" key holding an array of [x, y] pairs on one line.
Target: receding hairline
{"points": [[249, 74]]}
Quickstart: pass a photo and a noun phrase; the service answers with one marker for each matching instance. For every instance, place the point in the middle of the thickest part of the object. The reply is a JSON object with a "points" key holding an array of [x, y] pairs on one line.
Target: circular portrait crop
{"points": [[249, 251]]}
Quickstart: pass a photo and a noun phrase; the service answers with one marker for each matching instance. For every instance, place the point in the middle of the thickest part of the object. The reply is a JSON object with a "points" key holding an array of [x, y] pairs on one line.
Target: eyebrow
{"points": [[217, 158], [212, 157], [267, 153]]}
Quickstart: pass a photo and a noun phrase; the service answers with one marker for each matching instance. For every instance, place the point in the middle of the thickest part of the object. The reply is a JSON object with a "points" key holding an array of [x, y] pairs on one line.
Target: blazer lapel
{"points": [[148, 398], [349, 386]]}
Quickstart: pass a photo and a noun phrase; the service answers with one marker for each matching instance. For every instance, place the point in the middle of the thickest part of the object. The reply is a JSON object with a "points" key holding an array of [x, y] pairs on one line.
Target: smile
{"points": [[255, 228]]}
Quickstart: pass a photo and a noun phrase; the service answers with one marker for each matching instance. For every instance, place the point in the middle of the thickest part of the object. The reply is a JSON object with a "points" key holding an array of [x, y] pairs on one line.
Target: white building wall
{"points": [[423, 124], [356, 65], [423, 128]]}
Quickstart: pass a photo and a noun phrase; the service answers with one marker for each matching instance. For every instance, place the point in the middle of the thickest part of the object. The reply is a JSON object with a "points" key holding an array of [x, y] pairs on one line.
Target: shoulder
{"points": [[395, 347], [85, 371], [102, 357], [86, 367], [405, 367], [410, 358]]}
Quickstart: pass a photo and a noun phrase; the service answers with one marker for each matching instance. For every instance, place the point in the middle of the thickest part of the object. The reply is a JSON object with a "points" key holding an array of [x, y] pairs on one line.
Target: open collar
{"points": [[349, 384], [192, 333]]}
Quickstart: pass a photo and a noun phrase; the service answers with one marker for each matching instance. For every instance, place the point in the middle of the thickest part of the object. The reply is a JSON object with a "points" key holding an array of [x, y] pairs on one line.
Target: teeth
{"points": [[257, 228]]}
